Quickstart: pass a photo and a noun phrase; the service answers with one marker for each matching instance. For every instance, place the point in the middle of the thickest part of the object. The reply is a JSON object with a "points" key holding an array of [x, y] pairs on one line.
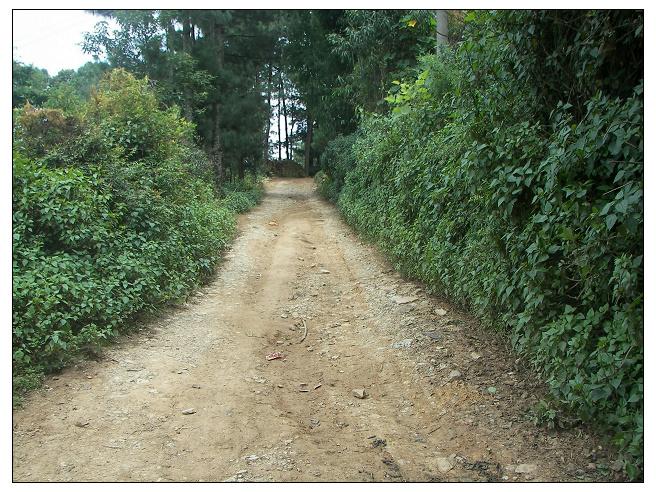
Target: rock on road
{"points": [[389, 384]]}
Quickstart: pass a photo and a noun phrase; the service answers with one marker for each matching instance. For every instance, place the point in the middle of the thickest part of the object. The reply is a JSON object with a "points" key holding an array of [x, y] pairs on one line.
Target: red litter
{"points": [[274, 355]]}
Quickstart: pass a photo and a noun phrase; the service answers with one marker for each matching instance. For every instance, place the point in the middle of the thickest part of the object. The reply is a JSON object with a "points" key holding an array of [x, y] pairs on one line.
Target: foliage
{"points": [[103, 234], [380, 45], [506, 172], [336, 161], [83, 80], [242, 195], [29, 85], [39, 131], [343, 61], [126, 112], [521, 197], [313, 66], [208, 62], [69, 89], [66, 91], [218, 65]]}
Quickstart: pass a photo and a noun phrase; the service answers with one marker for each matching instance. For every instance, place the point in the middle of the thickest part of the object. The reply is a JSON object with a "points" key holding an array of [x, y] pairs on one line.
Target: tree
{"points": [[380, 45], [70, 88], [211, 63], [441, 27], [29, 84], [313, 69], [343, 63]]}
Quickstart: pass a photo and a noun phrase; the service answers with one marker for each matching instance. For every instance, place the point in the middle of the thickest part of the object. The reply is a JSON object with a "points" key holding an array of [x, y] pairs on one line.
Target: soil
{"points": [[193, 396]]}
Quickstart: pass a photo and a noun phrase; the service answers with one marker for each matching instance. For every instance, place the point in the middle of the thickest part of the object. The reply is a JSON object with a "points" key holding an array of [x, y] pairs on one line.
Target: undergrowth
{"points": [[509, 176]]}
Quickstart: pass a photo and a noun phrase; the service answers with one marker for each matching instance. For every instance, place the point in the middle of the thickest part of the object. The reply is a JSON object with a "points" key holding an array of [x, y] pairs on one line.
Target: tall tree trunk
{"points": [[279, 139], [217, 148], [170, 36], [308, 145], [187, 29], [268, 122], [186, 35], [442, 28], [284, 110], [242, 166], [170, 44], [291, 141]]}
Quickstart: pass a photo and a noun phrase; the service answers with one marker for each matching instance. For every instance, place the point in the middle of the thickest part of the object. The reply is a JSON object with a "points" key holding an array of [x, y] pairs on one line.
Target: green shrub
{"points": [[336, 161], [44, 131], [128, 116], [110, 220], [324, 184], [523, 201], [242, 195]]}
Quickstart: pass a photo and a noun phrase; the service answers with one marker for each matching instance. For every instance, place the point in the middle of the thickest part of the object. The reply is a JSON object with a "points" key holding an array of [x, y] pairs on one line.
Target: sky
{"points": [[51, 39]]}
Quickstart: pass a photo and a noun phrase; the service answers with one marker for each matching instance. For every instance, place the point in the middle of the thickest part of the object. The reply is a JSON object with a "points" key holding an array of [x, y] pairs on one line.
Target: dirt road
{"points": [[443, 401]]}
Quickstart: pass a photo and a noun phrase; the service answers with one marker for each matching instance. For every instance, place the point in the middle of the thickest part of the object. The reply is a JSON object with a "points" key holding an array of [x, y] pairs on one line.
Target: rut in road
{"points": [[445, 400]]}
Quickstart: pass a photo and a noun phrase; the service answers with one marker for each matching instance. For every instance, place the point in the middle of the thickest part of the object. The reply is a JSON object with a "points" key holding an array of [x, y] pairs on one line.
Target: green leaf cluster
{"points": [[114, 214], [521, 197]]}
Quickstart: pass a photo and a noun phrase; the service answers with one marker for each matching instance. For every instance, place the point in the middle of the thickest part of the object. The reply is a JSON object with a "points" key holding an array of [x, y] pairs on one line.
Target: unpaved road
{"points": [[296, 418]]}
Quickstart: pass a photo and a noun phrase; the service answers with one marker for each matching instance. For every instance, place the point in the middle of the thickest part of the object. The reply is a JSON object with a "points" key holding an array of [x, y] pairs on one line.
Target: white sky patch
{"points": [[52, 39]]}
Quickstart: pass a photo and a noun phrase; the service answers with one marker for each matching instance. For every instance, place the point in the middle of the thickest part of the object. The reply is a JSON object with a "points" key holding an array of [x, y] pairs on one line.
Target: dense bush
{"points": [[522, 199], [242, 195], [336, 161], [114, 214]]}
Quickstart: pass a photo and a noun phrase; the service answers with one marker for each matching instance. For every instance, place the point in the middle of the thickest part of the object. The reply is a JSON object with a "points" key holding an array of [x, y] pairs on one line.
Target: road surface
{"points": [[192, 396]]}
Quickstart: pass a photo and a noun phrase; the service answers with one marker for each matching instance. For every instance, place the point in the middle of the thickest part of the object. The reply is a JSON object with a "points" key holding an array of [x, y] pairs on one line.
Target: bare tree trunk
{"points": [[242, 166], [279, 139], [170, 46], [442, 27], [170, 36], [268, 122], [217, 148], [284, 110], [187, 29], [308, 144], [186, 35], [291, 141]]}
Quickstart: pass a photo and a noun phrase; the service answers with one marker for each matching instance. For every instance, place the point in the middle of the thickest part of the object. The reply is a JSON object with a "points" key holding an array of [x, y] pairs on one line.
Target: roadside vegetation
{"points": [[497, 156], [508, 175], [115, 213]]}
